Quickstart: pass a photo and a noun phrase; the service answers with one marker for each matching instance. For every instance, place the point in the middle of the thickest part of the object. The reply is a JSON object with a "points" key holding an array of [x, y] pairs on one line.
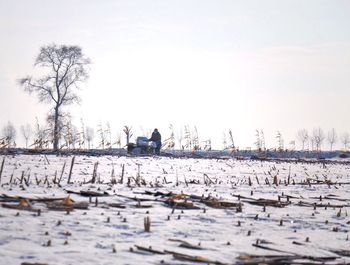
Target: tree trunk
{"points": [[56, 130]]}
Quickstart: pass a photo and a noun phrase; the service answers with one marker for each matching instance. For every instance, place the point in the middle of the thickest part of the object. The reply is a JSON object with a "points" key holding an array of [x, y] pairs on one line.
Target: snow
{"points": [[89, 236]]}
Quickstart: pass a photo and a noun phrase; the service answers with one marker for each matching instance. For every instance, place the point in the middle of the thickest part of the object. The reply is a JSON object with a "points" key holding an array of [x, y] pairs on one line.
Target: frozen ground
{"points": [[305, 210]]}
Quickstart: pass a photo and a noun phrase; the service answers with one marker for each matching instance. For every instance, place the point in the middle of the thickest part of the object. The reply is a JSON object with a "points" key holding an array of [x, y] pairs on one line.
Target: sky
{"points": [[237, 65]]}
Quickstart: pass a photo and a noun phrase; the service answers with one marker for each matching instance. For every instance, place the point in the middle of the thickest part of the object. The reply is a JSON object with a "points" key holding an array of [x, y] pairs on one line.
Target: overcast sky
{"points": [[218, 65]]}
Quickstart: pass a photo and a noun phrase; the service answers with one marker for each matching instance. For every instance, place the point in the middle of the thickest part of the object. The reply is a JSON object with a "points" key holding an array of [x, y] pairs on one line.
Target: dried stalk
{"points": [[71, 170]]}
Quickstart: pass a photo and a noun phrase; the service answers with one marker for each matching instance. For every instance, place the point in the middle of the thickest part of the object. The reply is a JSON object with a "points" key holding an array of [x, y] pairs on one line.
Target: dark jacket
{"points": [[156, 137]]}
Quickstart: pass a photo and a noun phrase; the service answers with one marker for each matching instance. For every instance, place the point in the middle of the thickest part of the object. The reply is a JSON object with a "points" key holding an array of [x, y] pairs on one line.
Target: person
{"points": [[157, 139]]}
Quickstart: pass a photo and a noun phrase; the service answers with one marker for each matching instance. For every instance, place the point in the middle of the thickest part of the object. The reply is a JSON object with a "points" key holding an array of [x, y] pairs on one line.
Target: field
{"points": [[161, 210]]}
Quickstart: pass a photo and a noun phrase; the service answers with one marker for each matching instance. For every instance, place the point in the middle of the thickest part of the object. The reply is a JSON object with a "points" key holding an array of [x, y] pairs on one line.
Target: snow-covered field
{"points": [[303, 211]]}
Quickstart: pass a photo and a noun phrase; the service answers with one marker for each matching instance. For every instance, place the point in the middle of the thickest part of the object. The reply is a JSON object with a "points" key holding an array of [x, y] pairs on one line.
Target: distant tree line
{"points": [[187, 138]]}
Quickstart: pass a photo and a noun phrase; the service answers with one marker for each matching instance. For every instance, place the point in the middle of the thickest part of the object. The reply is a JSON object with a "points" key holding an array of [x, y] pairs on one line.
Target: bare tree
{"points": [[188, 137], [66, 69], [101, 133], [108, 134], [303, 137], [262, 140], [280, 141], [345, 140], [26, 131], [332, 138], [9, 135], [195, 139], [312, 142], [128, 133], [64, 124], [232, 142], [82, 136], [318, 137], [180, 138], [257, 140], [89, 136], [292, 144], [75, 136], [224, 141]]}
